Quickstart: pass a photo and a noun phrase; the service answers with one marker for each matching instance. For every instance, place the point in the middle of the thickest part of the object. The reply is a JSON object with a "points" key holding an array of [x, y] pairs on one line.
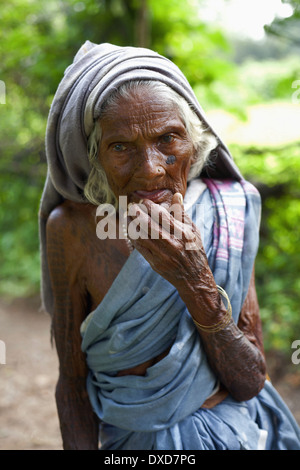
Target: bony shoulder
{"points": [[70, 210], [70, 215]]}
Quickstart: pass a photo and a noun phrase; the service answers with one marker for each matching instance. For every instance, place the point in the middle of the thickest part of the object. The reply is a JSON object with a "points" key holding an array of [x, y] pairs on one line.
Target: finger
{"points": [[150, 220], [177, 199], [143, 227], [154, 215], [177, 209], [160, 212], [166, 215], [145, 252]]}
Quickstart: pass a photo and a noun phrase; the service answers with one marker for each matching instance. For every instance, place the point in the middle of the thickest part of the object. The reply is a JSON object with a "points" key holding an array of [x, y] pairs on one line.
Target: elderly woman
{"points": [[158, 335]]}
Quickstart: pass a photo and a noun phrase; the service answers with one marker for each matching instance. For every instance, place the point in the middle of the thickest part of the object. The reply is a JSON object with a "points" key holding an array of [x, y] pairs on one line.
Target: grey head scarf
{"points": [[98, 70]]}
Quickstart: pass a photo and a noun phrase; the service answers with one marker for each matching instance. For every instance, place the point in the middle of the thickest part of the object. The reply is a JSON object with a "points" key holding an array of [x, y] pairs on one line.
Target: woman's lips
{"points": [[154, 195]]}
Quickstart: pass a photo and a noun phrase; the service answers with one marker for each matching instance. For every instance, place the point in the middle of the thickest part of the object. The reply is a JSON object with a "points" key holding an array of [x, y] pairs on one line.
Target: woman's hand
{"points": [[168, 240]]}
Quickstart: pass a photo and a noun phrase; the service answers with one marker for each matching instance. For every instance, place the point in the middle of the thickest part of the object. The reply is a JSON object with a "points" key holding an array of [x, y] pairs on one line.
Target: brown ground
{"points": [[28, 418]]}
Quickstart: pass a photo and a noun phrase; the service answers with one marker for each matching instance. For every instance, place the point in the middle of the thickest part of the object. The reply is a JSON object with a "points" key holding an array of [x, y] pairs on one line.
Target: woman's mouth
{"points": [[156, 195]]}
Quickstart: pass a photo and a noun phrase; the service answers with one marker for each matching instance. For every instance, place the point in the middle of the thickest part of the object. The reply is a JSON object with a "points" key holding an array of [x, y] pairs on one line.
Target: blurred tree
{"points": [[287, 28], [269, 47], [143, 26]]}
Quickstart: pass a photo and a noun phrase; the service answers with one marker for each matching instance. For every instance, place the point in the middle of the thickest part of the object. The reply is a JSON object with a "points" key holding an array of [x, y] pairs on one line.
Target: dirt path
{"points": [[28, 418]]}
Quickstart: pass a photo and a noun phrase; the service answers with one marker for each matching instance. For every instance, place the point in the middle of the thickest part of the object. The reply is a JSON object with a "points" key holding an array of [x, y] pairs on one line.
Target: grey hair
{"points": [[97, 190]]}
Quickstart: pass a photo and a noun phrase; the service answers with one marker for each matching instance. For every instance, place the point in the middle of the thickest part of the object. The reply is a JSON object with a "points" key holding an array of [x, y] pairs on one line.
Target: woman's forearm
{"points": [[238, 363]]}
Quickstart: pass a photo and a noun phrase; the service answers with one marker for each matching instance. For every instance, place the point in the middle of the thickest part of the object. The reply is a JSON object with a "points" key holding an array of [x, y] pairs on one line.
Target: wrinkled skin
{"points": [[146, 154], [137, 140]]}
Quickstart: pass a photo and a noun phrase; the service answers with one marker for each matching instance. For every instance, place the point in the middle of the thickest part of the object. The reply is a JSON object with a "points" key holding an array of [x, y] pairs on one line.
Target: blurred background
{"points": [[242, 58]]}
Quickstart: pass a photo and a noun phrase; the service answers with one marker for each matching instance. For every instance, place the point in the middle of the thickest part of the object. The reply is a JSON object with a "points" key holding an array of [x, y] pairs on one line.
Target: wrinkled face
{"points": [[145, 150]]}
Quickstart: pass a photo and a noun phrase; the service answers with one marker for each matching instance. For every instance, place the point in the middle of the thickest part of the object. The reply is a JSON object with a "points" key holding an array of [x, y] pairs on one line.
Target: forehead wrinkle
{"points": [[140, 115], [152, 125], [147, 124], [134, 104]]}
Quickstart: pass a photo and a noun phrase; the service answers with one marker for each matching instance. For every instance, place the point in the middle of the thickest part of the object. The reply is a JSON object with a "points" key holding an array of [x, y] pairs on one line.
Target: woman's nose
{"points": [[149, 163]]}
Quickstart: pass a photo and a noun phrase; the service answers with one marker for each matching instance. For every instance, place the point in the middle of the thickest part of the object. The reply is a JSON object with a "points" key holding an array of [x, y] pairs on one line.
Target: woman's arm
{"points": [[78, 423], [235, 353], [237, 360]]}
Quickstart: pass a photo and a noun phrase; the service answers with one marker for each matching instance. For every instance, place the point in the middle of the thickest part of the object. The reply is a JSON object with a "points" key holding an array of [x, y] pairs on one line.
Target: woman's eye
{"points": [[167, 139], [119, 147]]}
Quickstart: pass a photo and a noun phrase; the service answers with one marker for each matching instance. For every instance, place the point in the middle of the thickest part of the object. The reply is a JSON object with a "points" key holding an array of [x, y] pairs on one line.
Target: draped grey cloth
{"points": [[97, 70]]}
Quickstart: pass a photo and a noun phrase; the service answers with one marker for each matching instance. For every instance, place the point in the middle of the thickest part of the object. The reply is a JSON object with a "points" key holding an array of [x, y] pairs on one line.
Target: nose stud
{"points": [[171, 159]]}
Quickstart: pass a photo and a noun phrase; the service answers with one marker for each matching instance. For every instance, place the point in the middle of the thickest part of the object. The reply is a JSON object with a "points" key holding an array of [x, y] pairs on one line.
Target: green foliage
{"points": [[19, 248], [197, 48], [287, 28], [276, 173], [269, 79]]}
